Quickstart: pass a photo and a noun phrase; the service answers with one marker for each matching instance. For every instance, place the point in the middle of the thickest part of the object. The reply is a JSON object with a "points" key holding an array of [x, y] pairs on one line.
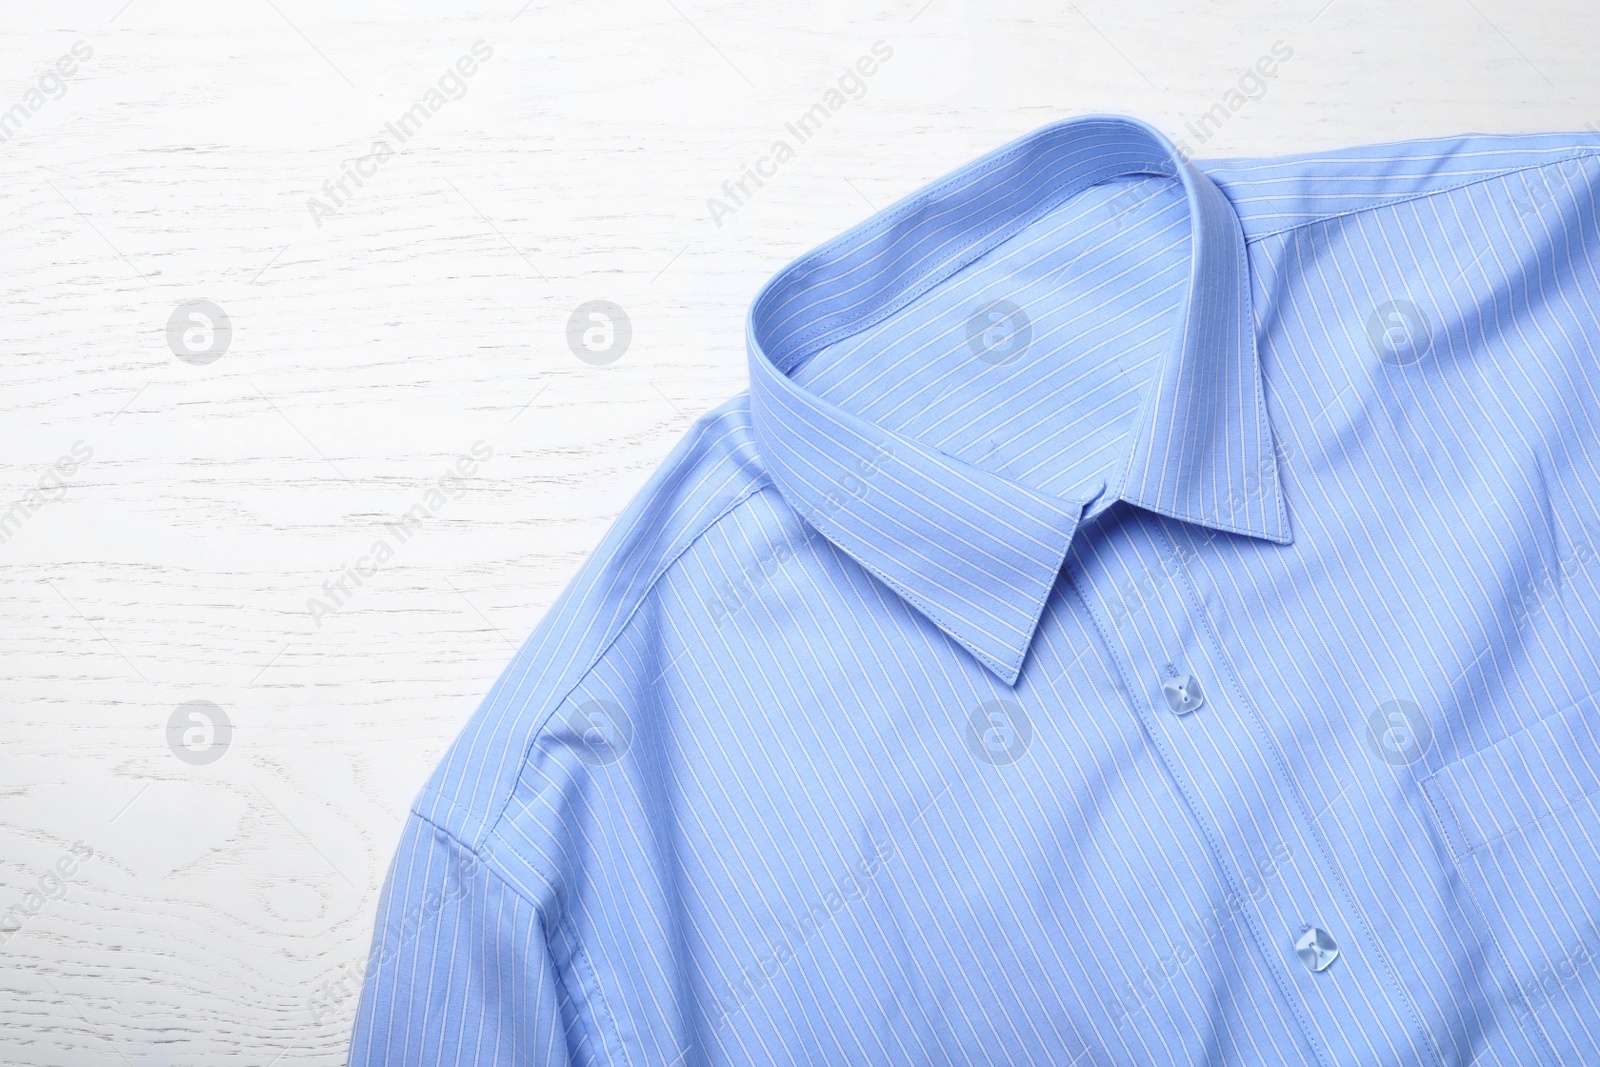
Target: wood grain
{"points": [[224, 914]]}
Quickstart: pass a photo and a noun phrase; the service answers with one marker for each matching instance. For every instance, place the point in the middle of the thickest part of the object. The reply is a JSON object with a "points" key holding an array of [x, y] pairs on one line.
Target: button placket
{"points": [[1278, 869]]}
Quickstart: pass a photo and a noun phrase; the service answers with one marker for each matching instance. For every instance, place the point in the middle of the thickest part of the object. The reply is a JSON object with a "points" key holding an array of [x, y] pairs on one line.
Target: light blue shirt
{"points": [[1143, 612]]}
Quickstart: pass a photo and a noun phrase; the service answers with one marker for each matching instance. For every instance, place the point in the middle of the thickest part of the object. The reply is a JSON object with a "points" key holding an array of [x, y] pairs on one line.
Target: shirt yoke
{"points": [[1283, 193]]}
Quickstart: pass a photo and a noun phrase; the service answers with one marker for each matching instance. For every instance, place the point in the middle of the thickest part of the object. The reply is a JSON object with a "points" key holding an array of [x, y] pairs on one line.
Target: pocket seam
{"points": [[1451, 829], [1438, 786]]}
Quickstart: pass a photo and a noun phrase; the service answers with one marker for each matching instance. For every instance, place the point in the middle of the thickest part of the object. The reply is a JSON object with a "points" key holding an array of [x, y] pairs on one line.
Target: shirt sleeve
{"points": [[459, 972]]}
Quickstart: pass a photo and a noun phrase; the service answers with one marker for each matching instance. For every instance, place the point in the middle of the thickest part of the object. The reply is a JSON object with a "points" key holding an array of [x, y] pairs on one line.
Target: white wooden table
{"points": [[219, 904]]}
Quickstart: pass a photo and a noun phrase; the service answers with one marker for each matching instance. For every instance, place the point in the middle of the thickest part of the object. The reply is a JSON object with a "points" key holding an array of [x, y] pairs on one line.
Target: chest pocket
{"points": [[1509, 786], [1521, 820]]}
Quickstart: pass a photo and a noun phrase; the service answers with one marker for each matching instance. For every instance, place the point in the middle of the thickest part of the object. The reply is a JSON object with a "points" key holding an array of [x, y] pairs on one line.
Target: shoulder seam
{"points": [[1410, 197], [478, 855], [757, 483]]}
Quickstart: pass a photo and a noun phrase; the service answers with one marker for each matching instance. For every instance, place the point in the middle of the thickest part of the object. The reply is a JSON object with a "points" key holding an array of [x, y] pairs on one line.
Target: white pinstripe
{"points": [[1029, 911]]}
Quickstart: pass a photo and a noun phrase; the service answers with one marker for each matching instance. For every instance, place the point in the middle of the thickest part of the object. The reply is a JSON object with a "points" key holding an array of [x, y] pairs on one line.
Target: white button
{"points": [[1317, 950], [1183, 694]]}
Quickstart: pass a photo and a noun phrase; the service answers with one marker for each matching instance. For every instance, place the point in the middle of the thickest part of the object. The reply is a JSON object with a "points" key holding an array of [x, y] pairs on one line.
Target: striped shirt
{"points": [[1143, 611]]}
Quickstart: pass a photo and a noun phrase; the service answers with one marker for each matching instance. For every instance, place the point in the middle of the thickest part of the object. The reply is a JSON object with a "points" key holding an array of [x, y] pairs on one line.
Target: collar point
{"points": [[1007, 672], [1008, 675], [1278, 528]]}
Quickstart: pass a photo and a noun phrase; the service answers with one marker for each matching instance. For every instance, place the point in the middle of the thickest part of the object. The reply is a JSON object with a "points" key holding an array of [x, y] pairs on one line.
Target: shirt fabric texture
{"points": [[1143, 611]]}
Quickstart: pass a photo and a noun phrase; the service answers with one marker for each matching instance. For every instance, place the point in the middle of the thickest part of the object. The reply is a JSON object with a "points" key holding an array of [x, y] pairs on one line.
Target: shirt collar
{"points": [[975, 552]]}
